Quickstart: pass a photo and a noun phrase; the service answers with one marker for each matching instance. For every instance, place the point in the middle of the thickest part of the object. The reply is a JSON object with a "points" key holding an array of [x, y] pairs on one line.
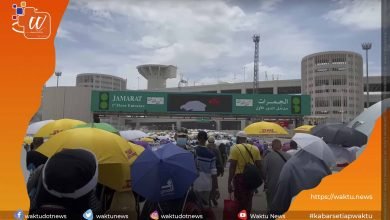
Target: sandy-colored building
{"points": [[334, 80], [100, 81]]}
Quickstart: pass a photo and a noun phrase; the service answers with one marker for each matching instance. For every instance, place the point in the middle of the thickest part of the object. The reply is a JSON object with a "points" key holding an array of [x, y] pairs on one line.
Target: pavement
{"points": [[259, 202]]}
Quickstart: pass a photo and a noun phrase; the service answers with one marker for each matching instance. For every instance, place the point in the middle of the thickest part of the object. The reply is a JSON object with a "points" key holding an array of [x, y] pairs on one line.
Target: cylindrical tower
{"points": [[157, 74], [334, 80], [100, 81]]}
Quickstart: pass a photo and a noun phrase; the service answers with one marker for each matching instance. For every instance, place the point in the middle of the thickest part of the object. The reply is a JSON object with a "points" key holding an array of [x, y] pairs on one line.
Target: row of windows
{"points": [[323, 60], [334, 112], [319, 91], [335, 101]]}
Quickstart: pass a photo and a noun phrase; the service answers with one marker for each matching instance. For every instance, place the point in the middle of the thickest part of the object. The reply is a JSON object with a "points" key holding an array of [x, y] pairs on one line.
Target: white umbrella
{"points": [[34, 127], [366, 120], [163, 137], [315, 146], [132, 134]]}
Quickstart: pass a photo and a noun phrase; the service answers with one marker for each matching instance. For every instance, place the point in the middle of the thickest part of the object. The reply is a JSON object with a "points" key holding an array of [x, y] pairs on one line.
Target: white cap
{"points": [[242, 134]]}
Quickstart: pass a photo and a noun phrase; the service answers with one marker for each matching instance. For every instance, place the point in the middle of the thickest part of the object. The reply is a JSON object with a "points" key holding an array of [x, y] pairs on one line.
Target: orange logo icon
{"points": [[30, 22]]}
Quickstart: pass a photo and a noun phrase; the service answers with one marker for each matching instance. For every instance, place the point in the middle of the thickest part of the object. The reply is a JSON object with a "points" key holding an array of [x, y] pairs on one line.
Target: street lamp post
{"points": [[244, 74], [366, 46], [58, 74]]}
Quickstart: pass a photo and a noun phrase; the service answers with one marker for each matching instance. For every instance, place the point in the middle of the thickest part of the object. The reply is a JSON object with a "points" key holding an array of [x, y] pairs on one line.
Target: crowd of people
{"points": [[68, 182]]}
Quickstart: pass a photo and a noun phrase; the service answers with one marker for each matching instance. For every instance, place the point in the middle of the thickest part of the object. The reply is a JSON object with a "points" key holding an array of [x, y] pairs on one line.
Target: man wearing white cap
{"points": [[241, 154]]}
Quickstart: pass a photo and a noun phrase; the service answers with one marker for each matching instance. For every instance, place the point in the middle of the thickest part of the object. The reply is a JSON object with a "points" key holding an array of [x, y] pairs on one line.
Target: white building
{"points": [[334, 80], [100, 81]]}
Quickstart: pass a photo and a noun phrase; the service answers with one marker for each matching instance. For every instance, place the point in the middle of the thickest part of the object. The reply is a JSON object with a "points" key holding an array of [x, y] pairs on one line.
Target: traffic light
{"points": [[104, 99], [296, 105]]}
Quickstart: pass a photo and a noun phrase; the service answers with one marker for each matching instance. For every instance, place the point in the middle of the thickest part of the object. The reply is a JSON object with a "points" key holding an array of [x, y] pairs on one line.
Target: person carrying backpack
{"points": [[244, 172], [273, 163]]}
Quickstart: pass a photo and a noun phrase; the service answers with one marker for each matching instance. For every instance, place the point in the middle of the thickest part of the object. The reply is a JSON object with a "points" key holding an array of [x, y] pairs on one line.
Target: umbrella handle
{"points": [[158, 204], [185, 201]]}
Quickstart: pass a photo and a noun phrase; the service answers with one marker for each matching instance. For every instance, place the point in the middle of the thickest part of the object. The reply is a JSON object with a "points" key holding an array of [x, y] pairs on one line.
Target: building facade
{"points": [[75, 102], [100, 81], [67, 102], [334, 80]]}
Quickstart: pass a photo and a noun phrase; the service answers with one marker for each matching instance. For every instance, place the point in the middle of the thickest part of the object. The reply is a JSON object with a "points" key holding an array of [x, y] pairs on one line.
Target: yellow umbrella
{"points": [[57, 126], [114, 154], [121, 172], [264, 128], [147, 139], [304, 129]]}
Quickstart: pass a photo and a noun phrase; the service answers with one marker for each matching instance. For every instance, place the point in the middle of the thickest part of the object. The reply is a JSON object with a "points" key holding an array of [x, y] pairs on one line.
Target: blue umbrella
{"points": [[164, 174]]}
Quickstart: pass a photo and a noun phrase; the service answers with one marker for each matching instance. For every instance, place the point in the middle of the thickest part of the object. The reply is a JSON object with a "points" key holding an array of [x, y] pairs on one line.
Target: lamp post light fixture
{"points": [[366, 46], [58, 74]]}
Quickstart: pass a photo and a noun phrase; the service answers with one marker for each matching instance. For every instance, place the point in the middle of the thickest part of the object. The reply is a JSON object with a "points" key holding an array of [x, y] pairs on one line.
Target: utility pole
{"points": [[366, 47], [58, 74], [256, 40], [244, 74]]}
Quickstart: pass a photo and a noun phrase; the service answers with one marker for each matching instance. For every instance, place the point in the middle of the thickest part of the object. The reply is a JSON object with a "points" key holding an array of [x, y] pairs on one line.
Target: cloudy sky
{"points": [[210, 41]]}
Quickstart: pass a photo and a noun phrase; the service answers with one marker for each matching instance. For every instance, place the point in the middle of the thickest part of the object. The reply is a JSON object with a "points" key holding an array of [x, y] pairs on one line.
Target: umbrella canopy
{"points": [[114, 154], [132, 134], [340, 134], [366, 120], [147, 140], [34, 127], [304, 129], [164, 174], [264, 128], [57, 126], [103, 126], [163, 137], [315, 146], [142, 144]]}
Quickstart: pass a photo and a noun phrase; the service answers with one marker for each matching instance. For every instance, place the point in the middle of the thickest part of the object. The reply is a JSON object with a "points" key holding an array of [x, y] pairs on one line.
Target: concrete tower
{"points": [[157, 74]]}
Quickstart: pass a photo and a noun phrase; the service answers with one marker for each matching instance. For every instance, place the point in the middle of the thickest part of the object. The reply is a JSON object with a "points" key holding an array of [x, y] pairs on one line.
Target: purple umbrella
{"points": [[142, 143]]}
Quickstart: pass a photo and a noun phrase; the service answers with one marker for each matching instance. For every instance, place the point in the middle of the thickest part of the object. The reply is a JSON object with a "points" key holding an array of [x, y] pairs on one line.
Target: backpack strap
{"points": [[241, 154], [284, 159], [250, 154]]}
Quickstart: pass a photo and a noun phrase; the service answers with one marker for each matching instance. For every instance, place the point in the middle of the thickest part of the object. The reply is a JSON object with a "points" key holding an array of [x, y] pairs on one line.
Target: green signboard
{"points": [[271, 104], [199, 103], [123, 101]]}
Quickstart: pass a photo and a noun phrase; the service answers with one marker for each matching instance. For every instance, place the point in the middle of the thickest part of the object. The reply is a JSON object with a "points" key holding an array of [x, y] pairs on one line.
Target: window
{"points": [[339, 60], [321, 82], [336, 101], [321, 102], [322, 70], [340, 81]]}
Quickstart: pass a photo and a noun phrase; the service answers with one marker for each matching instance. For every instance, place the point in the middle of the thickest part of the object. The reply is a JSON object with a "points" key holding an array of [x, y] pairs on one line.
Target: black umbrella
{"points": [[340, 134]]}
